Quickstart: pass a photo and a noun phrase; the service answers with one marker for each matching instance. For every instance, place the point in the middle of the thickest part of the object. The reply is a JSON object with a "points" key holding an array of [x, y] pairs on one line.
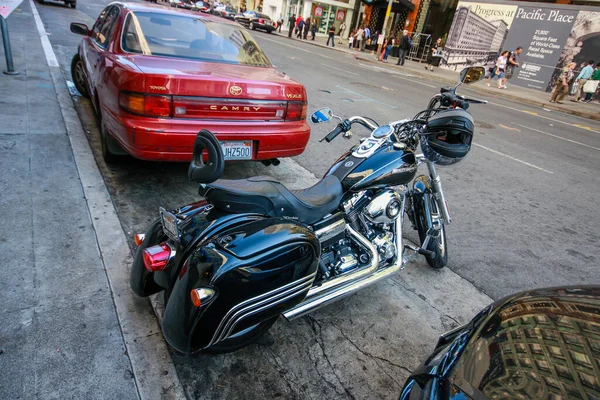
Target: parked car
{"points": [[201, 6], [156, 77], [539, 344], [68, 3], [176, 3], [226, 12], [255, 20]]}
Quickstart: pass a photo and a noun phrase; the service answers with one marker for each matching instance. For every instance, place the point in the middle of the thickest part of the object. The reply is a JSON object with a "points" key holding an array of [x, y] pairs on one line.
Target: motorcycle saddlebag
{"points": [[257, 269]]}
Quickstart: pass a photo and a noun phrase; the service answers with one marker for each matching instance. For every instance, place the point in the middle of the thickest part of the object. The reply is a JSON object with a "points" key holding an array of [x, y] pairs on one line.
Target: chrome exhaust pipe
{"points": [[313, 303], [266, 163], [275, 162]]}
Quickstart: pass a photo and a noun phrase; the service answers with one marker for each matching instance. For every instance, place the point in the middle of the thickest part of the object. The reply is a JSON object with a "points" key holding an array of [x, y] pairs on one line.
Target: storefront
{"points": [[327, 15], [375, 15]]}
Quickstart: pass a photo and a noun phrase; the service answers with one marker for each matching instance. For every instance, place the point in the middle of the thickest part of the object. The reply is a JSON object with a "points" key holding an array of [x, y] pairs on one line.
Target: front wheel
{"points": [[78, 75], [426, 215], [251, 25]]}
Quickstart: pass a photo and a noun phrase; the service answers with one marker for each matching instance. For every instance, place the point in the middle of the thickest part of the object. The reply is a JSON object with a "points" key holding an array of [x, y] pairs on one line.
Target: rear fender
{"points": [[257, 269]]}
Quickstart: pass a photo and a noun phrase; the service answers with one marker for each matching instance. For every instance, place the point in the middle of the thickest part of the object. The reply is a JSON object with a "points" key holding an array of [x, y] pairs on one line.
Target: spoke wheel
{"points": [[424, 203]]}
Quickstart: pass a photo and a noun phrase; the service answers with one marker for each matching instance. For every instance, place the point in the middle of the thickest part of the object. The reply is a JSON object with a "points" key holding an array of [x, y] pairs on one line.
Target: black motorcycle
{"points": [[231, 264]]}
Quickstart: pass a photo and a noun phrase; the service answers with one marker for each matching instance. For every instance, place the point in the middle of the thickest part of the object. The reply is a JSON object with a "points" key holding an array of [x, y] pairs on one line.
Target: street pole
{"points": [[10, 70], [385, 21]]}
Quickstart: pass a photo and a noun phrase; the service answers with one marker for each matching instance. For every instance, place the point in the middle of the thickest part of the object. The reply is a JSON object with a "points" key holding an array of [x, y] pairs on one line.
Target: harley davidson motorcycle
{"points": [[229, 265]]}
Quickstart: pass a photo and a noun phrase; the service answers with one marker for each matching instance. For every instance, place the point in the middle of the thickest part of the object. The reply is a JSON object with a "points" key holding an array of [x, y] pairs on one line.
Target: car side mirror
{"points": [[80, 29], [472, 75], [321, 115]]}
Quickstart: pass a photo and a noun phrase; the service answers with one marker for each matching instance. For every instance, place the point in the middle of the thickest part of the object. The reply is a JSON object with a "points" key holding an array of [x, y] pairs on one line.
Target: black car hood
{"points": [[538, 344]]}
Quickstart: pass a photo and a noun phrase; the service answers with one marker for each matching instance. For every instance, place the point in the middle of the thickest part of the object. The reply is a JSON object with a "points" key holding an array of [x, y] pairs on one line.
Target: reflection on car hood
{"points": [[535, 345]]}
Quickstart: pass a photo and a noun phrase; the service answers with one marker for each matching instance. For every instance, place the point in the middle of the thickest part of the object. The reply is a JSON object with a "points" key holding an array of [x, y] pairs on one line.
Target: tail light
{"points": [[296, 111], [261, 21], [202, 295], [148, 105], [157, 257]]}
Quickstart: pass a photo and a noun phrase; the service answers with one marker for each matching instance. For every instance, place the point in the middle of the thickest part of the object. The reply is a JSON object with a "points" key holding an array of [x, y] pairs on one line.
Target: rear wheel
{"points": [[111, 150], [251, 26], [243, 338], [78, 76], [426, 211]]}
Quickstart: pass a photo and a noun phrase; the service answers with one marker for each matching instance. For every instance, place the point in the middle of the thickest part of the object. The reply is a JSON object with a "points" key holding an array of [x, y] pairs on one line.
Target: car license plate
{"points": [[238, 150], [169, 223]]}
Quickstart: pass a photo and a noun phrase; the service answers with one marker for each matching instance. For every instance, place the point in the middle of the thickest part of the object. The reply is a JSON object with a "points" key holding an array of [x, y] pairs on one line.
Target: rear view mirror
{"points": [[80, 29], [321, 115], [472, 75]]}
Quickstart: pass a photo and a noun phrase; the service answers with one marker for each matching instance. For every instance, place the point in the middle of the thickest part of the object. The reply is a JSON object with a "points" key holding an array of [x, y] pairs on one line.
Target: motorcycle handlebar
{"points": [[332, 135]]}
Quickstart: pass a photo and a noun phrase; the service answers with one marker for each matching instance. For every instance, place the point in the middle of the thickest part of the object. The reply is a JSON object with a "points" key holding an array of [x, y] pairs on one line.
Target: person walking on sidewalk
{"points": [[313, 29], [331, 36], [306, 28], [562, 85], [351, 39], [358, 37], [342, 31], [595, 77], [291, 22], [300, 29], [512, 65], [585, 74], [366, 36], [499, 70], [435, 50], [279, 23], [405, 44], [386, 48]]}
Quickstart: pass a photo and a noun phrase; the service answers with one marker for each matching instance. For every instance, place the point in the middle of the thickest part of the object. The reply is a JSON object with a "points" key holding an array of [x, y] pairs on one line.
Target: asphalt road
{"points": [[522, 202]]}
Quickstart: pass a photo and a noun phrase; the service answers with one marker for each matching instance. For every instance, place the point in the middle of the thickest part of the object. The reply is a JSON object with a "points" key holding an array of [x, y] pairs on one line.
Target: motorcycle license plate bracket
{"points": [[170, 224]]}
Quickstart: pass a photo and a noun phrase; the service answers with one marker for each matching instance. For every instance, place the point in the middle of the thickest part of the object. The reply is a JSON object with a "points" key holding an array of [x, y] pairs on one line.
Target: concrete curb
{"points": [[153, 369], [430, 76]]}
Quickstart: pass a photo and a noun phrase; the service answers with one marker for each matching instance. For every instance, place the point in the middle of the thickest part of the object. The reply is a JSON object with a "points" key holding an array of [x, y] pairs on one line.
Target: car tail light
{"points": [[146, 104], [261, 21], [296, 111], [157, 257]]}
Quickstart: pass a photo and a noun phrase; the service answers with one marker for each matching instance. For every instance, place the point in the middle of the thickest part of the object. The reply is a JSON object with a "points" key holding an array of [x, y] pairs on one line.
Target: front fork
{"points": [[438, 193]]}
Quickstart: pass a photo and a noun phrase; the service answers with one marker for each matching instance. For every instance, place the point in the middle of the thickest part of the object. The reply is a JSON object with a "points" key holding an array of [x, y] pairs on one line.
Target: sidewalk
{"points": [[527, 96], [62, 335]]}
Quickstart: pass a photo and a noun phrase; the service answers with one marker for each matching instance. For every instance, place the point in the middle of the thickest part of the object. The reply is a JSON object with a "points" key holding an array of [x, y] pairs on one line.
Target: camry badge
{"points": [[235, 90]]}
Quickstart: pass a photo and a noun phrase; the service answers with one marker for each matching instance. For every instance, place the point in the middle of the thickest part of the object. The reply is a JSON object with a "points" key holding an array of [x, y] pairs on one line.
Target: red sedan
{"points": [[157, 76]]}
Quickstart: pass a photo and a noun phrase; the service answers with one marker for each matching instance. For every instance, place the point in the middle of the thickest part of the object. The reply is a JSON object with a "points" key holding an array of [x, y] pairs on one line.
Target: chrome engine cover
{"points": [[384, 208]]}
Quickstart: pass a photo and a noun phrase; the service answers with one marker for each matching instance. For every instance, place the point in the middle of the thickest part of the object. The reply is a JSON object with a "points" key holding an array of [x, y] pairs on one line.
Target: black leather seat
{"points": [[265, 195]]}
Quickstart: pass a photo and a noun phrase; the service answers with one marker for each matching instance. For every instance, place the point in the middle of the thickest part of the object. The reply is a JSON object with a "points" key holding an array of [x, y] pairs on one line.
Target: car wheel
{"points": [[251, 26], [78, 76], [73, 5], [108, 145]]}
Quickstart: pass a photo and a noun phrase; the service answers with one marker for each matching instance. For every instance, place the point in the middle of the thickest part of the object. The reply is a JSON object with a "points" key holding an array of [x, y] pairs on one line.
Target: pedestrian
{"points": [[387, 48], [366, 36], [512, 65], [300, 29], [358, 37], [405, 45], [562, 85], [436, 49], [373, 42], [595, 77], [499, 70], [298, 19], [279, 23], [313, 29], [291, 22], [585, 74], [342, 31], [351, 39], [331, 36], [306, 28]]}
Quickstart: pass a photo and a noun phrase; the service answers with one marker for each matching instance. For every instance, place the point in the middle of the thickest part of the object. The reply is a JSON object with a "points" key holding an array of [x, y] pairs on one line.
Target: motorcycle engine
{"points": [[374, 218]]}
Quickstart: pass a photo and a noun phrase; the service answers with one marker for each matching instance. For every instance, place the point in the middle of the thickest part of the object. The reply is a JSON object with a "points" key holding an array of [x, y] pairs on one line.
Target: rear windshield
{"points": [[190, 37]]}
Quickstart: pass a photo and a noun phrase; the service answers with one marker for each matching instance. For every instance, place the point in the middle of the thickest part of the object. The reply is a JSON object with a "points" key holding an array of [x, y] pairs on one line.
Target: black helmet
{"points": [[447, 137]]}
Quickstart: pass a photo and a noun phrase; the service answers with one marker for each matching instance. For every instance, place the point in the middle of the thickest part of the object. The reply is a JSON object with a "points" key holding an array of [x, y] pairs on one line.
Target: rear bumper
{"points": [[173, 140]]}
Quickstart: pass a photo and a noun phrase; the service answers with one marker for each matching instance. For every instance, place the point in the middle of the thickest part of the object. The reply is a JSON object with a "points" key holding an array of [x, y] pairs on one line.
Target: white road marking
{"points": [[558, 137], [50, 56], [512, 158], [339, 69], [548, 118], [367, 98], [399, 74]]}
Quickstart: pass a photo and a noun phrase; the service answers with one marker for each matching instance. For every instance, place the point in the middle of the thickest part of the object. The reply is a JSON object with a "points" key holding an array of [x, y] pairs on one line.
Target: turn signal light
{"points": [[157, 257], [146, 105], [201, 295], [139, 238]]}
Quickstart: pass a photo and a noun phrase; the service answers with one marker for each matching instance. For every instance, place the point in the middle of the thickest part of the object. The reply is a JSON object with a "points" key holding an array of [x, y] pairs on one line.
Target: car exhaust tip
{"points": [[266, 162], [275, 162]]}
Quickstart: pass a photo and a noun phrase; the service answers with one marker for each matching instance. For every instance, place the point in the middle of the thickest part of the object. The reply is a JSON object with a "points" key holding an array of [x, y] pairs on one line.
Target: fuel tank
{"points": [[386, 167]]}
